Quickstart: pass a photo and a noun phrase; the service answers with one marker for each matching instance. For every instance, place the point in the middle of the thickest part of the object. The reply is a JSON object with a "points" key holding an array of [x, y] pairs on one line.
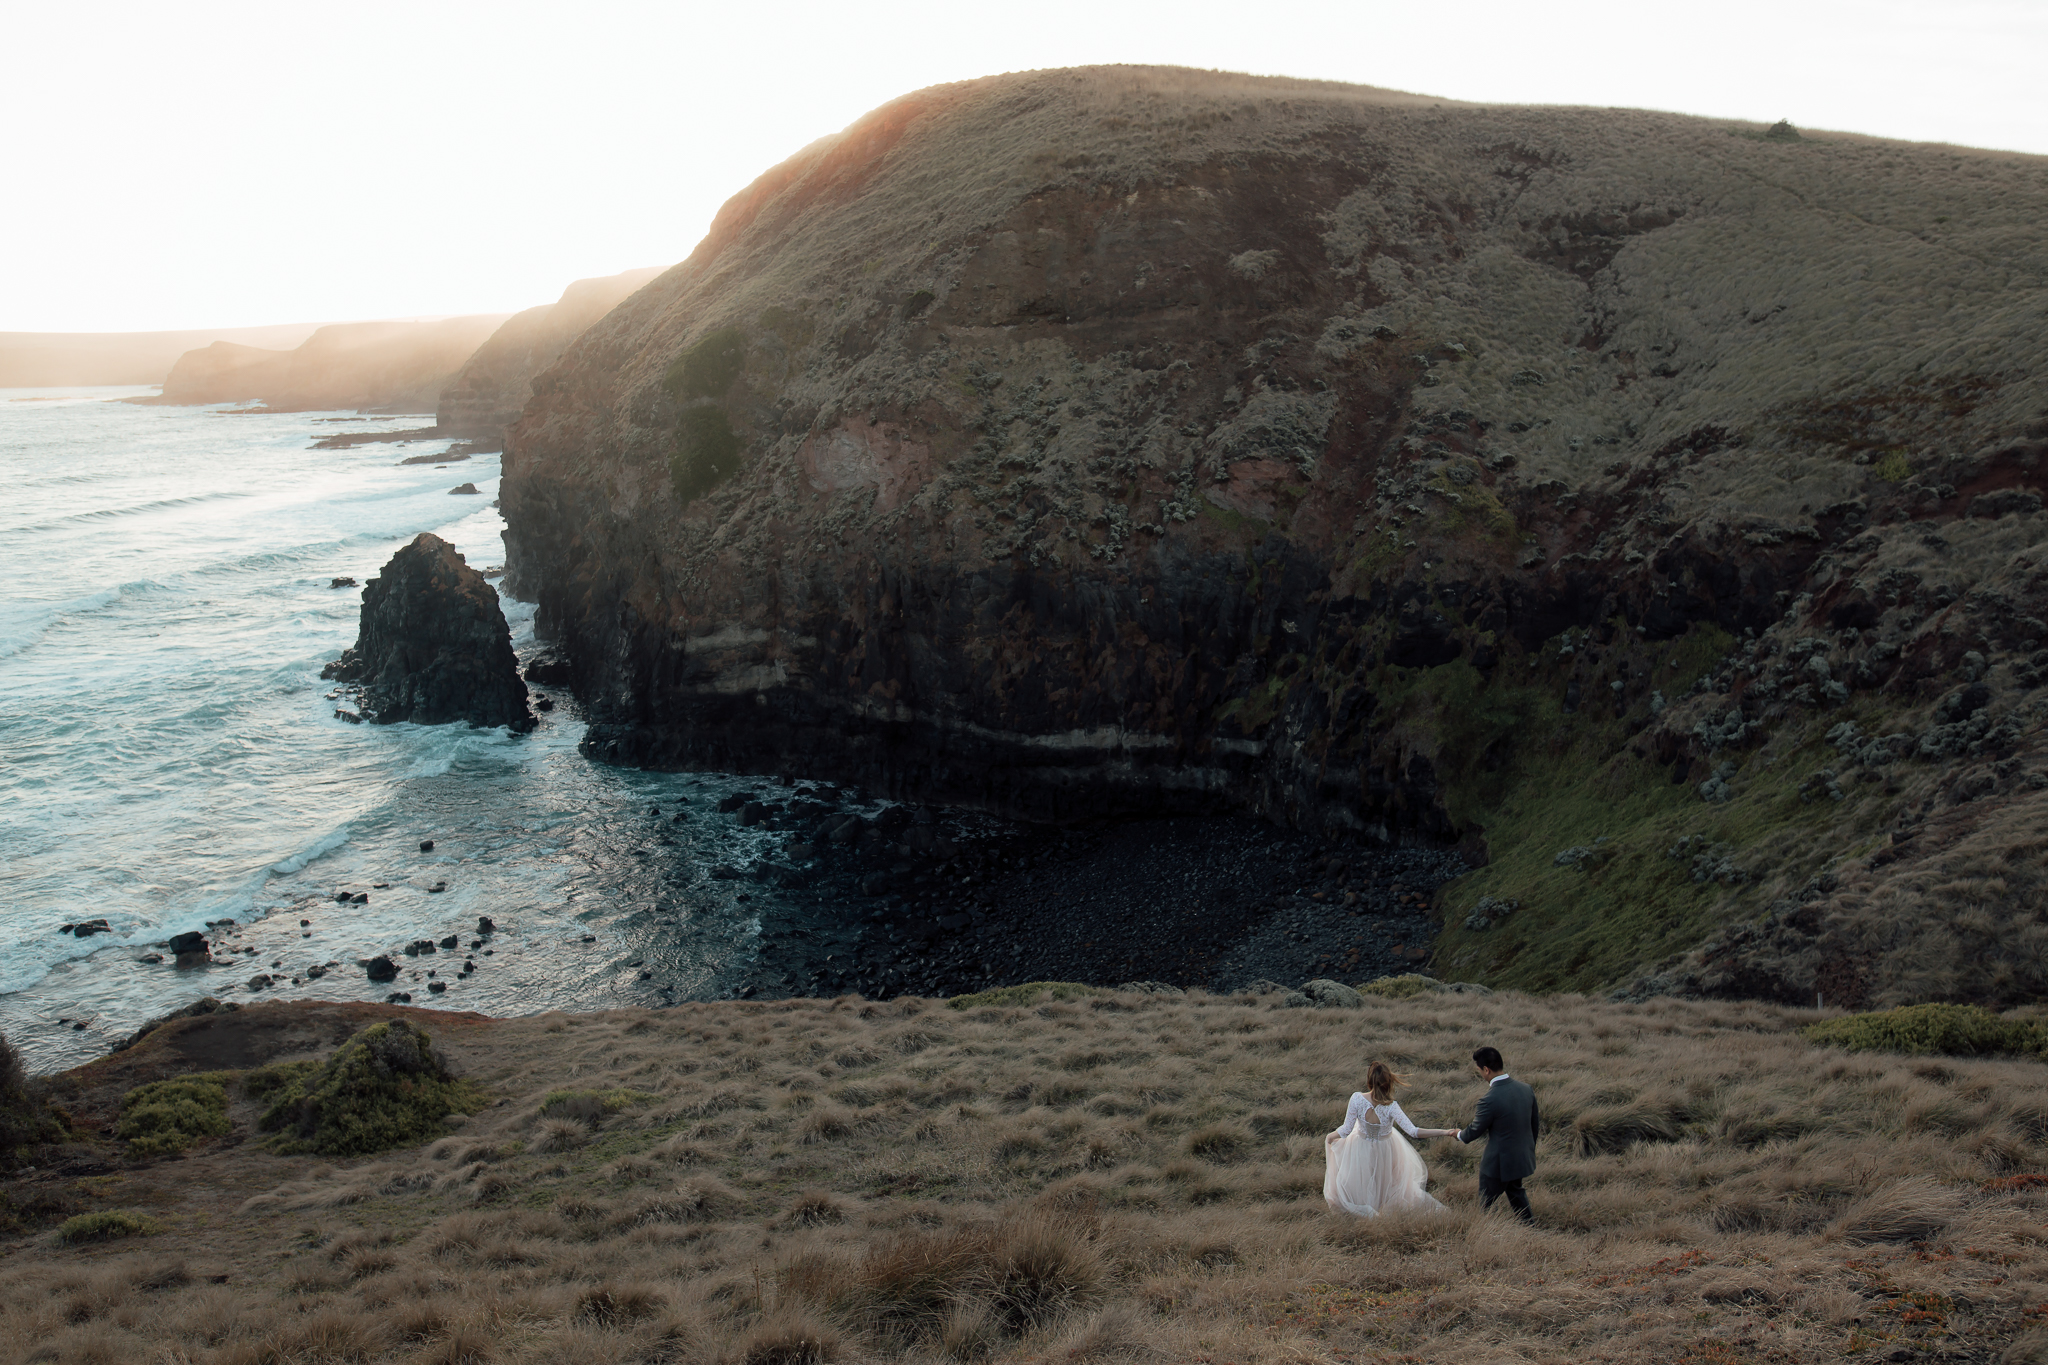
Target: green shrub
{"points": [[266, 1082], [1893, 468], [707, 452], [383, 1088], [1027, 994], [25, 1118], [1401, 987], [169, 1116], [106, 1225], [1953, 1030], [708, 368]]}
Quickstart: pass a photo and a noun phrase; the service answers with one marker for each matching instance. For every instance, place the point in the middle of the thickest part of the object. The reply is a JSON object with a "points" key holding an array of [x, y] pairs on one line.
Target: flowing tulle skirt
{"points": [[1371, 1176]]}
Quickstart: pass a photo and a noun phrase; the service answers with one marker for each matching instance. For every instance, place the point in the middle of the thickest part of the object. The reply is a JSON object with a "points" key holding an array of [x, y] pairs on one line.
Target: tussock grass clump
{"points": [[107, 1225], [591, 1107], [1029, 993], [169, 1116], [386, 1087], [1403, 987], [1952, 1030]]}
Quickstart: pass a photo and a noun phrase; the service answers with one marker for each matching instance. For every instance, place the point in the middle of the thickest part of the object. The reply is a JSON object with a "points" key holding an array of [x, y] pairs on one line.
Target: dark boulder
{"points": [[465, 488], [382, 969], [190, 949], [343, 582], [433, 646]]}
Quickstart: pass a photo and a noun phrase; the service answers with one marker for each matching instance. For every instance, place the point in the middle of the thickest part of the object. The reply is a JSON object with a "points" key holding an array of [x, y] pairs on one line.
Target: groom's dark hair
{"points": [[1489, 1057]]}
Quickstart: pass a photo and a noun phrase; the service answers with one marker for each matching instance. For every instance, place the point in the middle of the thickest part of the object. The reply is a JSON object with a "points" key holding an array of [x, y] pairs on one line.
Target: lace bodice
{"points": [[1373, 1121]]}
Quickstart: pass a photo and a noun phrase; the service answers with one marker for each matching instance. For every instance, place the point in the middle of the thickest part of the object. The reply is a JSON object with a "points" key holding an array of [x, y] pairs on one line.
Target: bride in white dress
{"points": [[1369, 1168]]}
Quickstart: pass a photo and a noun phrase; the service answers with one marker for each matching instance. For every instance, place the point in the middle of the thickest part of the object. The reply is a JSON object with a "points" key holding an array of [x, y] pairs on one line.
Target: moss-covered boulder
{"points": [[386, 1087]]}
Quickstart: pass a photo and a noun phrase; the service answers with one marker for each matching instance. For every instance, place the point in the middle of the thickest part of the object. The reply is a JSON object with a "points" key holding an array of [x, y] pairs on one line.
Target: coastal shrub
{"points": [[385, 1087], [1953, 1030], [107, 1225], [25, 1117], [708, 367], [707, 452], [266, 1082], [1400, 987], [1893, 468], [1029, 993], [169, 1116]]}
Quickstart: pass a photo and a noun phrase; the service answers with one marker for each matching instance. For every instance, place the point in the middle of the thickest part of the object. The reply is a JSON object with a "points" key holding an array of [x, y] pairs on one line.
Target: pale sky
{"points": [[230, 164]]}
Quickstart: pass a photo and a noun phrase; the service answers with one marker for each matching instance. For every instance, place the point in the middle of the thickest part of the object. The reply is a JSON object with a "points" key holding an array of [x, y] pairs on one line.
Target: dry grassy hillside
{"points": [[1106, 1176]]}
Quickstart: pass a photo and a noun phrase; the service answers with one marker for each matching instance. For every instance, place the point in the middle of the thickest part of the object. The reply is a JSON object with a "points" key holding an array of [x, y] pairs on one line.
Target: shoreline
{"points": [[906, 901]]}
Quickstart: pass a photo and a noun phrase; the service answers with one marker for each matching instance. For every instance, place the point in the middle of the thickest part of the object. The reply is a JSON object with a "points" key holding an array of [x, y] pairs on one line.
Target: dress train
{"points": [[1369, 1174]]}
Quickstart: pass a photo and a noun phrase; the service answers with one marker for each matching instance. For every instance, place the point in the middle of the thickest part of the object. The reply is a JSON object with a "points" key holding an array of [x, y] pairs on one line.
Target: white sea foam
{"points": [[173, 757]]}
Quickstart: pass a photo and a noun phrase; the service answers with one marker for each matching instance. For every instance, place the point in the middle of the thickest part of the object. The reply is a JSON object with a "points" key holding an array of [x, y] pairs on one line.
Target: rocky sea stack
{"points": [[434, 647], [1649, 504]]}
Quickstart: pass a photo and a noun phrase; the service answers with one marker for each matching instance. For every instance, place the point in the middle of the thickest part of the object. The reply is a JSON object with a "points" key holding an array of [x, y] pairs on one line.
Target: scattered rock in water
{"points": [[485, 926], [437, 986], [260, 982], [86, 929], [342, 583], [314, 973], [351, 717], [426, 845], [466, 488], [190, 950], [437, 888], [151, 958], [382, 968], [433, 646]]}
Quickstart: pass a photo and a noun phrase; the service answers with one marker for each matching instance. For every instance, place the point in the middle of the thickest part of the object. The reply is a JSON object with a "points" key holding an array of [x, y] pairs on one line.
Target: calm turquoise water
{"points": [[170, 756]]}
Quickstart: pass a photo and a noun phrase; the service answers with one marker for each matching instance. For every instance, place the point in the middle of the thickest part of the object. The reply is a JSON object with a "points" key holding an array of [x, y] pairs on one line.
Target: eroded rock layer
{"points": [[434, 646], [1559, 481]]}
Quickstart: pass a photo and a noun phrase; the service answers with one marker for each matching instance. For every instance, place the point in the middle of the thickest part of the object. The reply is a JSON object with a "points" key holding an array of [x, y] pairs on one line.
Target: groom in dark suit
{"points": [[1506, 1118]]}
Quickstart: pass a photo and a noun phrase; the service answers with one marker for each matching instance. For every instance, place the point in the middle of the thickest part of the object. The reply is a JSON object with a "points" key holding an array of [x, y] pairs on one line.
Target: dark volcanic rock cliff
{"points": [[434, 646], [1561, 481]]}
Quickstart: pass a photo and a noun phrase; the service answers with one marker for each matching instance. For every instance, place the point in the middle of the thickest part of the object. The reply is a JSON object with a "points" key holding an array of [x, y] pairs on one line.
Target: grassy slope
{"points": [[1107, 1177]]}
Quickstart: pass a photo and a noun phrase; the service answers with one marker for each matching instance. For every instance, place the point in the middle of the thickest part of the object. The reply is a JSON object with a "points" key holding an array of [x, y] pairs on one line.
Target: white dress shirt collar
{"points": [[1497, 1080]]}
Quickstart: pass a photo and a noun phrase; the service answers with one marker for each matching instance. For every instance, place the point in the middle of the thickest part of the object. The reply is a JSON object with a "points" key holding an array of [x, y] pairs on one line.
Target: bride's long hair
{"points": [[1380, 1081]]}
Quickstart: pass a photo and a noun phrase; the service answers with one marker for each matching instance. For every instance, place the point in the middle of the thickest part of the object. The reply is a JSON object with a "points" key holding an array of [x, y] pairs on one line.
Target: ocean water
{"points": [[169, 755]]}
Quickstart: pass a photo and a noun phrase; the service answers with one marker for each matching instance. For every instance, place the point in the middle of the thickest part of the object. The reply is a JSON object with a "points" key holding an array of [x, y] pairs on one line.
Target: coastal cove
{"points": [[176, 764]]}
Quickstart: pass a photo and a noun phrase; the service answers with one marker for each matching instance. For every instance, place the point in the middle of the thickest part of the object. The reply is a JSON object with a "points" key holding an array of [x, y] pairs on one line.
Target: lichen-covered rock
{"points": [[433, 646], [1324, 994]]}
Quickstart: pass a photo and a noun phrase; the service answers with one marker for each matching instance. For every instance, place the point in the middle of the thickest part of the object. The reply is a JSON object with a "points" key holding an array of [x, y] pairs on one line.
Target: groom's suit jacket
{"points": [[1506, 1118]]}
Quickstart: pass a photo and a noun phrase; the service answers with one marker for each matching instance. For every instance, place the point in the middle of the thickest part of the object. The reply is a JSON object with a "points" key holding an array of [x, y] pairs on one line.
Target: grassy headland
{"points": [[1108, 1175]]}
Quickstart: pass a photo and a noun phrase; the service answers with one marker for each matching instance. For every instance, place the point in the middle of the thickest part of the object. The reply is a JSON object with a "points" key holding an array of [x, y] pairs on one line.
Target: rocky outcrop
{"points": [[494, 384], [434, 647], [371, 366], [1126, 440]]}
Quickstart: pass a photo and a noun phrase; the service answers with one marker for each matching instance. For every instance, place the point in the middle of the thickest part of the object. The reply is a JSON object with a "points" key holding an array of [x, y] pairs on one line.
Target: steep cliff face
{"points": [[394, 366], [1557, 480], [485, 396]]}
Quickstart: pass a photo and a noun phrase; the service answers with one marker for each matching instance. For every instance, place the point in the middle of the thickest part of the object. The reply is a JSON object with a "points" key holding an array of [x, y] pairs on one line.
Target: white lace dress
{"points": [[1369, 1168]]}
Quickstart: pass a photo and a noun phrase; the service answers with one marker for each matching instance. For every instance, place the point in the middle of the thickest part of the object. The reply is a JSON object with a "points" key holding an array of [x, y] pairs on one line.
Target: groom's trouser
{"points": [[1518, 1199]]}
